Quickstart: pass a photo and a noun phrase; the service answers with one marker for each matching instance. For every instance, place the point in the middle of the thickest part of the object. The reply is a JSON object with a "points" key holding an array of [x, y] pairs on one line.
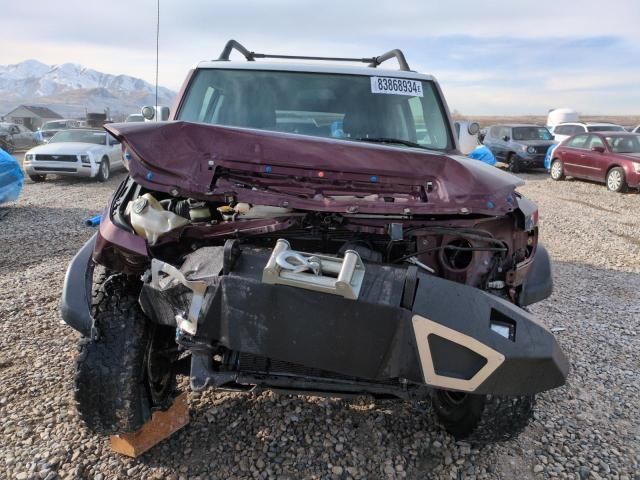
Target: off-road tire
{"points": [[619, 186], [111, 389], [38, 178], [104, 172], [556, 171], [482, 419], [513, 164]]}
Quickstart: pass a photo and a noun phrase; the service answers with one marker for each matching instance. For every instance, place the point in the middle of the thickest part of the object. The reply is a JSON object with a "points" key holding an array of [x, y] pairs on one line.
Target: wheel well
{"points": [[615, 166]]}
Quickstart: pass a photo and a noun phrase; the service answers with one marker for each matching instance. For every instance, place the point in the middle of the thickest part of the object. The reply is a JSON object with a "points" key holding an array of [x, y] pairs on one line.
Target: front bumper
{"points": [[405, 326], [76, 169], [531, 160]]}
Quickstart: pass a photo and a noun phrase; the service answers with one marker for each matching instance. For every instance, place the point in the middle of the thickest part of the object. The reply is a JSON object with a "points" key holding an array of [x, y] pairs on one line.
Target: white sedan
{"points": [[76, 152]]}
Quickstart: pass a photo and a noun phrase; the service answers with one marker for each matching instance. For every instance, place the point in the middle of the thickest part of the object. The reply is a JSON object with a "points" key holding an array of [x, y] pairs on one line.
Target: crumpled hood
{"points": [[271, 168]]}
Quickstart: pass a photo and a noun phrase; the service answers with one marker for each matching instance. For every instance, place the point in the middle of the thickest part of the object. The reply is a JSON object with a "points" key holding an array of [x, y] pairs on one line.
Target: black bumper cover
{"points": [[372, 338]]}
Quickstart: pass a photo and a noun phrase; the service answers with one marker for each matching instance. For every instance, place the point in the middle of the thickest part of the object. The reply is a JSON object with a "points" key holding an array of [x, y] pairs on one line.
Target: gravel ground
{"points": [[588, 429]]}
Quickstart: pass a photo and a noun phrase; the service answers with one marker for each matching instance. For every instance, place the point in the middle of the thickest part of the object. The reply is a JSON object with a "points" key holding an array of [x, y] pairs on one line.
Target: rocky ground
{"points": [[589, 429]]}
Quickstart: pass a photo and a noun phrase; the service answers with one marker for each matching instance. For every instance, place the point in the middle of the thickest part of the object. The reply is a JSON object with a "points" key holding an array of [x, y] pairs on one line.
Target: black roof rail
{"points": [[372, 61]]}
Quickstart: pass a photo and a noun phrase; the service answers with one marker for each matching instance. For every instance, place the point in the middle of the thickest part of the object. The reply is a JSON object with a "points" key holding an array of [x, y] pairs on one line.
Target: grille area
{"points": [[56, 158], [54, 169]]}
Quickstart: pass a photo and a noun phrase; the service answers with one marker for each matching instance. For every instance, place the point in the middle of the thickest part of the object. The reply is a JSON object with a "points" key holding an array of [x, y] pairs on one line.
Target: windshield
{"points": [[605, 128], [531, 133], [80, 136], [352, 107], [4, 127], [624, 143], [53, 125]]}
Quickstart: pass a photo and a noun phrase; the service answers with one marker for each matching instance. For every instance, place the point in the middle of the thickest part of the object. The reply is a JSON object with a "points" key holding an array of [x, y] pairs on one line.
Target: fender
{"points": [[538, 284], [75, 303]]}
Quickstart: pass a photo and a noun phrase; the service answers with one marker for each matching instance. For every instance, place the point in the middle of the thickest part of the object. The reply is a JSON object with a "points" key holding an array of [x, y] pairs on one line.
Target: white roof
{"points": [[323, 67], [590, 124]]}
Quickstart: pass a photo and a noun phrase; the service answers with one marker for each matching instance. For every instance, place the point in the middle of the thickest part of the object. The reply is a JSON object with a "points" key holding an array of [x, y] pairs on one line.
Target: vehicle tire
{"points": [[557, 170], [37, 178], [513, 164], [9, 146], [616, 181], [113, 389], [482, 418], [104, 172]]}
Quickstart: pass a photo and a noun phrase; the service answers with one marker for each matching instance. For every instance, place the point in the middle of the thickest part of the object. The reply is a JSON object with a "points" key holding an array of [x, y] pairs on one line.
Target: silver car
{"points": [[77, 152]]}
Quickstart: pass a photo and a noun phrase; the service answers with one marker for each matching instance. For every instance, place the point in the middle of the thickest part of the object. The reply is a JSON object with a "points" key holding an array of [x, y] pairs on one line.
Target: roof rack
{"points": [[372, 61]]}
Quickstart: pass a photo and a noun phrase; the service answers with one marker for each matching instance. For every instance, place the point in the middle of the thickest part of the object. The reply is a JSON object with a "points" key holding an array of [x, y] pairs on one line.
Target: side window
{"points": [[505, 132], [595, 141], [561, 130], [578, 129], [578, 142]]}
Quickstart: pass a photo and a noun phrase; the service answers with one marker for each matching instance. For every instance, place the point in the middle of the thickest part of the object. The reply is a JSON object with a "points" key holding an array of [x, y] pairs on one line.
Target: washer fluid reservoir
{"points": [[150, 220]]}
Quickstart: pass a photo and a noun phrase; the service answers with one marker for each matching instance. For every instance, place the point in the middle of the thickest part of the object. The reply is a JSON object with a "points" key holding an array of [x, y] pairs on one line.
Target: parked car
{"points": [[520, 146], [15, 137], [612, 158], [76, 152], [315, 255], [50, 128], [562, 131]]}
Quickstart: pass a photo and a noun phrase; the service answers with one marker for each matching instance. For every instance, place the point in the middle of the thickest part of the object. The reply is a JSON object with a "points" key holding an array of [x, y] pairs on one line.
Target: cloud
{"points": [[488, 56]]}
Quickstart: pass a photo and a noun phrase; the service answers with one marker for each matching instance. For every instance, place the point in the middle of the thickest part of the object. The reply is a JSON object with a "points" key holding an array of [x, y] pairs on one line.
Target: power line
{"points": [[157, 50]]}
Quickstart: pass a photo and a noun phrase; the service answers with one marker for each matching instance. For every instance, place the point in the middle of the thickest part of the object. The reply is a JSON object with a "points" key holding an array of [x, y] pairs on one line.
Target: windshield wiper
{"points": [[407, 143]]}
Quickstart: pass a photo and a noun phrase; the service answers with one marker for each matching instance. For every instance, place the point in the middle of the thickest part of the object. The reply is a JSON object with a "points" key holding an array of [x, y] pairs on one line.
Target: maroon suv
{"points": [[312, 229], [610, 157]]}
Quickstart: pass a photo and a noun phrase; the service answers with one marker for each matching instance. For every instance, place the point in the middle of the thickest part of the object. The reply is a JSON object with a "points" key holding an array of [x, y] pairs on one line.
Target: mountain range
{"points": [[72, 90]]}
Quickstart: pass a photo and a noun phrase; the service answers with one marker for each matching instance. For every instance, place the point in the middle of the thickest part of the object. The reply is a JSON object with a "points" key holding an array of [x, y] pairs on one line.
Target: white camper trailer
{"points": [[561, 115]]}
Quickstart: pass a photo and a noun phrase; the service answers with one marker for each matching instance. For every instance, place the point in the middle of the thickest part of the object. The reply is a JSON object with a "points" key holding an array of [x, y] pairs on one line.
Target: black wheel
{"points": [[480, 418], [616, 181], [9, 146], [557, 170], [104, 172], [125, 374], [37, 178], [514, 164]]}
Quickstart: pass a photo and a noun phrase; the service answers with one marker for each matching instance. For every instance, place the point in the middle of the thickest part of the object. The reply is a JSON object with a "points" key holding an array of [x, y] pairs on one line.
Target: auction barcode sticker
{"points": [[396, 86]]}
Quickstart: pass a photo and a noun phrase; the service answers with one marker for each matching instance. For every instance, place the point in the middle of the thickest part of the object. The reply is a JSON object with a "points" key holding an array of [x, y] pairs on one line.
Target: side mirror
{"points": [[505, 138], [473, 128], [598, 149]]}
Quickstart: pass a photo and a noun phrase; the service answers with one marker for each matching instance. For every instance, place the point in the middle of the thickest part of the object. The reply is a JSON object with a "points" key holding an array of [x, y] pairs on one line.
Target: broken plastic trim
{"points": [[189, 324]]}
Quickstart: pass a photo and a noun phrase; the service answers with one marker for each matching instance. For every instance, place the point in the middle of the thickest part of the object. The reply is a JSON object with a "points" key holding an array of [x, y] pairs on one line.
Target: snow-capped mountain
{"points": [[71, 89]]}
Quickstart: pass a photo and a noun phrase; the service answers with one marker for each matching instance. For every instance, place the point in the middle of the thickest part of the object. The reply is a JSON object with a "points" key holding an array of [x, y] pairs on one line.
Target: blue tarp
{"points": [[11, 177], [483, 154], [549, 155]]}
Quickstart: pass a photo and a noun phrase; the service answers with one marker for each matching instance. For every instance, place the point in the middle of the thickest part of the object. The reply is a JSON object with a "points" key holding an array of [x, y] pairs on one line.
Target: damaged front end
{"points": [[316, 265]]}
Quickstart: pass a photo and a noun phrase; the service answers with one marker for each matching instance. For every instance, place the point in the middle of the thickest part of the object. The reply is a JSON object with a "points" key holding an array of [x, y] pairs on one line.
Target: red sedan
{"points": [[609, 157]]}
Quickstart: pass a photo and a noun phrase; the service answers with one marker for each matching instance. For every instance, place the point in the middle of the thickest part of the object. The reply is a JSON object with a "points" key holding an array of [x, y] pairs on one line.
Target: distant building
{"points": [[30, 116]]}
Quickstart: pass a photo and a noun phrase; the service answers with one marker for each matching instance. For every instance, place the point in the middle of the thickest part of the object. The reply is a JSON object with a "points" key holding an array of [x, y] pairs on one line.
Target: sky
{"points": [[503, 57]]}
